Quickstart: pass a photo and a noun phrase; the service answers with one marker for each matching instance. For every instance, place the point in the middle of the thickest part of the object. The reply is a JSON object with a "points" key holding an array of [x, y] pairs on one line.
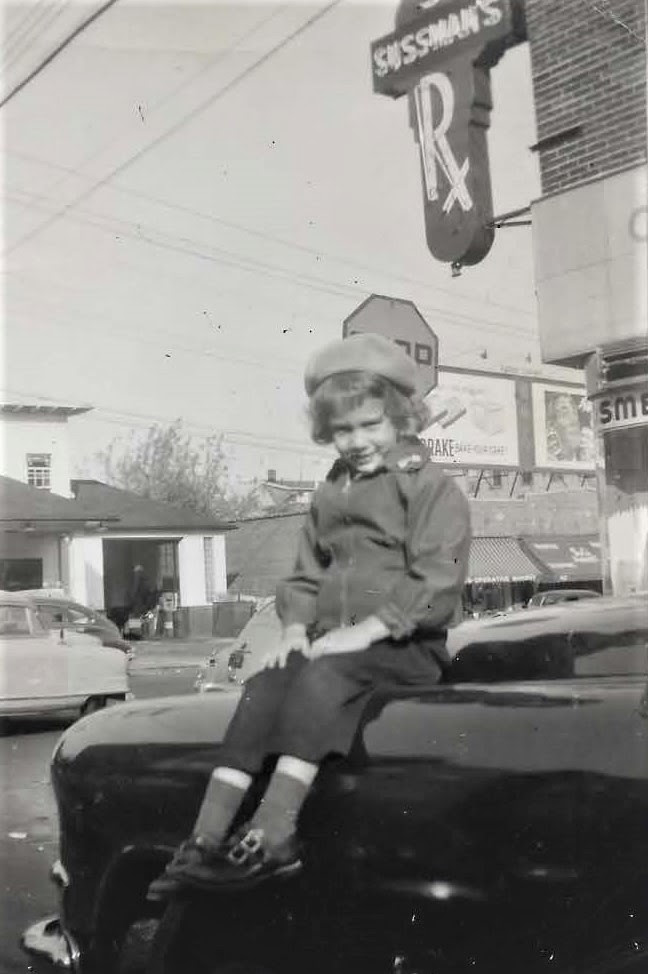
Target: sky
{"points": [[195, 196]]}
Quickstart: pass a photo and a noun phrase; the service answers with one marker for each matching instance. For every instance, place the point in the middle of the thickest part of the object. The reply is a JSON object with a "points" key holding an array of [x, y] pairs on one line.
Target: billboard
{"points": [[474, 421], [563, 431]]}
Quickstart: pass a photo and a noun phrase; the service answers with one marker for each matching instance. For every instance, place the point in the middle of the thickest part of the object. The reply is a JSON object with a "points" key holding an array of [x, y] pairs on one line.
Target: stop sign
{"points": [[401, 321]]}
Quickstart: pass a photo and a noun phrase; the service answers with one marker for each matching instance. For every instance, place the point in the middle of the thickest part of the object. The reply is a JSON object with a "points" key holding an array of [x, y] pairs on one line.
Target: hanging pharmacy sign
{"points": [[440, 56]]}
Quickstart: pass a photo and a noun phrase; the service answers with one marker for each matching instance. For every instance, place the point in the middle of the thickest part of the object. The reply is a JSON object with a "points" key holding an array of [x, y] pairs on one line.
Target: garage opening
{"points": [[139, 574]]}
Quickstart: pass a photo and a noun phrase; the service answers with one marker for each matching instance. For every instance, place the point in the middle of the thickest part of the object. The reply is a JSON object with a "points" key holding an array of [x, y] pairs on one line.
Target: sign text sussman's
{"points": [[437, 36]]}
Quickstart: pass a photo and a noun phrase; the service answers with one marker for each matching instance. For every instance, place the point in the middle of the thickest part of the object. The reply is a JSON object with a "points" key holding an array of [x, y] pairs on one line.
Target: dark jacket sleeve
{"points": [[297, 594], [437, 548]]}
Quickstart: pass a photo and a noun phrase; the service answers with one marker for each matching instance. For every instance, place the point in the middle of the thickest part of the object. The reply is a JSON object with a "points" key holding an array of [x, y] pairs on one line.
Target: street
{"points": [[28, 822]]}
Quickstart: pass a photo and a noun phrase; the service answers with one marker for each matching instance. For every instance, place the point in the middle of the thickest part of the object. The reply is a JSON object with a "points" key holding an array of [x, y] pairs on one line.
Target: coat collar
{"points": [[407, 456]]}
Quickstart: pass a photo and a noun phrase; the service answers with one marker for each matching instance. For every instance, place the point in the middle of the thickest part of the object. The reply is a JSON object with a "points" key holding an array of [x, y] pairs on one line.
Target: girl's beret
{"points": [[362, 353]]}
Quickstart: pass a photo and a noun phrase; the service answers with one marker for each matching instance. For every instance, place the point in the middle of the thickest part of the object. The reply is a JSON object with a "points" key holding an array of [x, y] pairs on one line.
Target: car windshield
{"points": [[14, 620]]}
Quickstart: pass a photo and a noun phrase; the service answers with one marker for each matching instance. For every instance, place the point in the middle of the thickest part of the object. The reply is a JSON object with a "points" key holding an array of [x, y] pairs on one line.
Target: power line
{"points": [[189, 247], [259, 234], [43, 24], [24, 27], [205, 67], [233, 434], [57, 50], [229, 86], [169, 348]]}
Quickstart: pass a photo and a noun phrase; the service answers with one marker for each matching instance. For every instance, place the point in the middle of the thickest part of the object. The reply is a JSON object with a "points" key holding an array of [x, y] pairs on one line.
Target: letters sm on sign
{"points": [[622, 408]]}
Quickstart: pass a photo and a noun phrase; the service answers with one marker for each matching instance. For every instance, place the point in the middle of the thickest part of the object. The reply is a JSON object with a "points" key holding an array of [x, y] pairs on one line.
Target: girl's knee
{"points": [[321, 672]]}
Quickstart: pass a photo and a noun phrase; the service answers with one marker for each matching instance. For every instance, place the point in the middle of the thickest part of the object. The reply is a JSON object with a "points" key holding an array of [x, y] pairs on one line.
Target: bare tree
{"points": [[167, 464]]}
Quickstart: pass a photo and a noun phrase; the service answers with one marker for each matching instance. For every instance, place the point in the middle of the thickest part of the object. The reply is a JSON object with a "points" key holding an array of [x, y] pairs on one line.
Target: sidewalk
{"points": [[158, 654]]}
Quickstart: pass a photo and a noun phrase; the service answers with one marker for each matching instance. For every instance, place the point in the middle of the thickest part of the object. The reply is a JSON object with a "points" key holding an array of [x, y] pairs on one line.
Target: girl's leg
{"points": [[225, 792], [279, 808], [242, 754]]}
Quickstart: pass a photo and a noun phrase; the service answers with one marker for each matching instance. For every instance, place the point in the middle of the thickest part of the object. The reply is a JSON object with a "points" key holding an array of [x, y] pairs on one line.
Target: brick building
{"points": [[589, 83], [590, 233]]}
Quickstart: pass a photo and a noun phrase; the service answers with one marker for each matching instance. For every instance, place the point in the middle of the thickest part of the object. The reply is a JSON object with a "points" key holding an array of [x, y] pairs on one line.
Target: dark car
{"points": [[553, 595], [493, 823], [59, 612]]}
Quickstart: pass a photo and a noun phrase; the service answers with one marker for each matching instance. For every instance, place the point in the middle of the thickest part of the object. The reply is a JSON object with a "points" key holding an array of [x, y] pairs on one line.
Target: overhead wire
{"points": [[207, 65], [67, 40], [23, 27], [206, 252], [271, 238], [190, 116], [147, 419], [31, 37]]}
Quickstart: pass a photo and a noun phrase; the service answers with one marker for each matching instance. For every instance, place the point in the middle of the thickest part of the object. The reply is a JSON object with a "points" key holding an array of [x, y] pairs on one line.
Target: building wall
{"points": [[23, 434], [589, 229], [589, 71], [191, 566], [86, 570], [591, 266], [590, 234]]}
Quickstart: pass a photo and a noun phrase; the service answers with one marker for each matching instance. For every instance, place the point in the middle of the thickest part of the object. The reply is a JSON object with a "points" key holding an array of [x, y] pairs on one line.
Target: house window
{"points": [[19, 573], [496, 479], [208, 549], [527, 478], [167, 569], [39, 468]]}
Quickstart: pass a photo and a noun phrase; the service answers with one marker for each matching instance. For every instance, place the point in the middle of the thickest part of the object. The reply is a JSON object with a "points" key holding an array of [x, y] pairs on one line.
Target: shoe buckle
{"points": [[247, 847]]}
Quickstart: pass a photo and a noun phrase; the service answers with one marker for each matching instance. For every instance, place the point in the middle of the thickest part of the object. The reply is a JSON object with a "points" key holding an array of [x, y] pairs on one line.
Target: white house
{"points": [[34, 444], [88, 537]]}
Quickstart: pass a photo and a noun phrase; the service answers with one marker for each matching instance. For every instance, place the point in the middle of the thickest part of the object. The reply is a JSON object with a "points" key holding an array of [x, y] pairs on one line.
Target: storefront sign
{"points": [[443, 33], [441, 58], [474, 421], [622, 408]]}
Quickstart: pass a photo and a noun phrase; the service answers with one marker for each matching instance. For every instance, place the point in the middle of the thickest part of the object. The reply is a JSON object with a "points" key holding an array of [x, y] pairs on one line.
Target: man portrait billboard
{"points": [[564, 432]]}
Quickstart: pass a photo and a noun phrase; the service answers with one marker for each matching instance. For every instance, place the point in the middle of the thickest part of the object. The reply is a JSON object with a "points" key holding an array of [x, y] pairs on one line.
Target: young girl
{"points": [[378, 577]]}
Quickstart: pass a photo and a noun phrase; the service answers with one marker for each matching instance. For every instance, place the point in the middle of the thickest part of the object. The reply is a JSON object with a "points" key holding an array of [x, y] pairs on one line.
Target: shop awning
{"points": [[567, 558], [500, 560]]}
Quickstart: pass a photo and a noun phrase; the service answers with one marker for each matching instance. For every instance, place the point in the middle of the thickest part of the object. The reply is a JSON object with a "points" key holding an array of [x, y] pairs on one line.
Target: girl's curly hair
{"points": [[348, 390]]}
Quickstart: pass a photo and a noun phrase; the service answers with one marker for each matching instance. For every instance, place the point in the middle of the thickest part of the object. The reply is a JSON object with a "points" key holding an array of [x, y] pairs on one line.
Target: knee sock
{"points": [[223, 797], [280, 806]]}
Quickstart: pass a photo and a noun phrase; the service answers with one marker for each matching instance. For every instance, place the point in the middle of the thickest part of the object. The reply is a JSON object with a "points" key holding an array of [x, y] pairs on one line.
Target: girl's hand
{"points": [[294, 640], [350, 639]]}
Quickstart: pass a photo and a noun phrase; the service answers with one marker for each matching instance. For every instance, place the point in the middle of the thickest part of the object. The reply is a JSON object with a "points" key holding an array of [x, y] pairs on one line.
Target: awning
{"points": [[500, 560], [567, 558]]}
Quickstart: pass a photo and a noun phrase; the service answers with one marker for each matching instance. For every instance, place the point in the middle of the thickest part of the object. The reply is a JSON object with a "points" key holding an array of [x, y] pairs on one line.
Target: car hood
{"points": [[178, 720]]}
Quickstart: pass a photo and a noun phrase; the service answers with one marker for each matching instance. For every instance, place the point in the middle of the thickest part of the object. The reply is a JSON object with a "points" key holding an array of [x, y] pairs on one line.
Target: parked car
{"points": [[46, 671], [230, 666], [59, 612], [553, 595], [493, 823]]}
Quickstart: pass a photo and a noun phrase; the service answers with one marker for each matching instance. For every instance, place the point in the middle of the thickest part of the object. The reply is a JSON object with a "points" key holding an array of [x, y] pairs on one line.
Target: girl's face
{"points": [[363, 435]]}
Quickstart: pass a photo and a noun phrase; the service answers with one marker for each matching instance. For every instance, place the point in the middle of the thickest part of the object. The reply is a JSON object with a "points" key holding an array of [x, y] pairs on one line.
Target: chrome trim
{"points": [[47, 939], [59, 875]]}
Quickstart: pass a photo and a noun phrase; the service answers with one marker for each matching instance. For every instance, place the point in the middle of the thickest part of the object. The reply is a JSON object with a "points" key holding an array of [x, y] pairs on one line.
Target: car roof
{"points": [[600, 614], [15, 598], [565, 591]]}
